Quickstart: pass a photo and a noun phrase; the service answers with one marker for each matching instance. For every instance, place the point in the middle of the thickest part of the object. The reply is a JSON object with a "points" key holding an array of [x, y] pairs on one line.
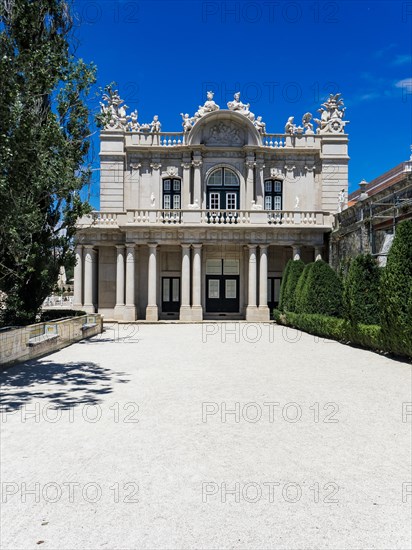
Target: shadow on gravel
{"points": [[65, 384]]}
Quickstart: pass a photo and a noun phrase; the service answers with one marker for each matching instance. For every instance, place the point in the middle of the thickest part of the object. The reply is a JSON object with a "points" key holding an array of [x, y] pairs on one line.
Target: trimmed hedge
{"points": [[290, 279], [321, 292], [299, 291], [396, 283], [361, 302], [52, 314], [368, 336]]}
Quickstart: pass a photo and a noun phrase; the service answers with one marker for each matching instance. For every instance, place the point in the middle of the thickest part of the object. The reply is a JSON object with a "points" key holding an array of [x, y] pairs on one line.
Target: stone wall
{"points": [[24, 343]]}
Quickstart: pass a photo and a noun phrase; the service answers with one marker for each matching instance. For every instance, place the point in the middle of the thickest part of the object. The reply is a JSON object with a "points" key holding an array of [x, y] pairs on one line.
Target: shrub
{"points": [[299, 291], [322, 291], [395, 290], [369, 336], [52, 314], [285, 276], [361, 303], [293, 271]]}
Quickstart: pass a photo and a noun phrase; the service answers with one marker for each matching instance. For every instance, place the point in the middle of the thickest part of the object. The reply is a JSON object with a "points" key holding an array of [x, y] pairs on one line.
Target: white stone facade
{"points": [[199, 224]]}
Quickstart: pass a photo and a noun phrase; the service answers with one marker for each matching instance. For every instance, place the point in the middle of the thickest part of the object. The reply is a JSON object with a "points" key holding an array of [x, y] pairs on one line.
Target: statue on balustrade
{"points": [[341, 200], [290, 127], [260, 125], [155, 126], [187, 122], [242, 108], [133, 124], [306, 122]]}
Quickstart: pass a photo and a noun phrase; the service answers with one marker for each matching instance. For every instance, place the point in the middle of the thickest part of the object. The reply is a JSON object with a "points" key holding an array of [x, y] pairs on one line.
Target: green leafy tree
{"points": [[293, 270], [44, 142], [361, 301], [396, 284], [322, 291]]}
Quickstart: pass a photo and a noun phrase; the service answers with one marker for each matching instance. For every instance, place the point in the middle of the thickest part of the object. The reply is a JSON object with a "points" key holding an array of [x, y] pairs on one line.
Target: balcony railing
{"points": [[207, 217]]}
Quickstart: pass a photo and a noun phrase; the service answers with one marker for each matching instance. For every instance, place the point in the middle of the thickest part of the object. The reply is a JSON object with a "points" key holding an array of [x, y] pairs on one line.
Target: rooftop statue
{"points": [[155, 126], [237, 105], [208, 107], [113, 110], [331, 116], [187, 122], [290, 127], [260, 125], [133, 124], [306, 122]]}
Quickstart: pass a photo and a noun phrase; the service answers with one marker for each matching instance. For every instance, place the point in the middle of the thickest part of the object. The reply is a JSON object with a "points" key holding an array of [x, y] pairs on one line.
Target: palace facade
{"points": [[199, 224]]}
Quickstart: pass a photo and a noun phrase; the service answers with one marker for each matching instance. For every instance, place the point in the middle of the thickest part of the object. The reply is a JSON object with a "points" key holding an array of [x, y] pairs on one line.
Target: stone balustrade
{"points": [[206, 217], [177, 139]]}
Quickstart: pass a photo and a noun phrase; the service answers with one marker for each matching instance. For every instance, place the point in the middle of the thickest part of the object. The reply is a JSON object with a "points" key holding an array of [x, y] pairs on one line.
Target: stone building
{"points": [[199, 224], [369, 222]]}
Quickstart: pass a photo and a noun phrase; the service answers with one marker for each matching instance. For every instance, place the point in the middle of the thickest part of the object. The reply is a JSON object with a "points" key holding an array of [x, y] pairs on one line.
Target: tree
{"points": [[293, 270], [44, 130], [396, 296], [322, 291], [361, 300]]}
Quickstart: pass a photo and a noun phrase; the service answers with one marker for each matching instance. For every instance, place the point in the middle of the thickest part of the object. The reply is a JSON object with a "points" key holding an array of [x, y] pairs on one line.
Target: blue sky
{"points": [[284, 58]]}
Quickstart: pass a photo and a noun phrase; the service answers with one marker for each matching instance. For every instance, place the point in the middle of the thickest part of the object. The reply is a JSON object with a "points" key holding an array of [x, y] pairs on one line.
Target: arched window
{"points": [[171, 194], [223, 190], [273, 195]]}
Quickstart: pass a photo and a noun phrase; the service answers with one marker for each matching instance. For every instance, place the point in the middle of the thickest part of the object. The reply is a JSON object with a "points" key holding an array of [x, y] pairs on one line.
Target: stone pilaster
{"points": [[186, 199], [250, 183], [197, 180]]}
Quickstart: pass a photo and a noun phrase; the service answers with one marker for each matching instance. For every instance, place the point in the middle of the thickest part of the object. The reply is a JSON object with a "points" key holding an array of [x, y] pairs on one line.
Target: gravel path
{"points": [[208, 436]]}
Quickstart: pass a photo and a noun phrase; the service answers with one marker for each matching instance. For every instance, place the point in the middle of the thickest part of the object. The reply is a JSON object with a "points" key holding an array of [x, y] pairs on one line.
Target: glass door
{"points": [[170, 294]]}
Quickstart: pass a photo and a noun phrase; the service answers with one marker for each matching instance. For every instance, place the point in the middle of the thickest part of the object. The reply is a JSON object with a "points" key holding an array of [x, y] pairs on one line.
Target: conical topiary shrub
{"points": [[361, 302], [293, 271], [322, 291], [396, 283]]}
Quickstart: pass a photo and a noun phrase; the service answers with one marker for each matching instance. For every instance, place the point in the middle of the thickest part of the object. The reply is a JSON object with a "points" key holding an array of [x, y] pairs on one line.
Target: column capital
{"points": [[185, 245], [152, 245], [155, 165], [263, 246], [119, 246], [88, 246], [130, 246], [186, 165], [197, 163], [252, 246], [197, 245]]}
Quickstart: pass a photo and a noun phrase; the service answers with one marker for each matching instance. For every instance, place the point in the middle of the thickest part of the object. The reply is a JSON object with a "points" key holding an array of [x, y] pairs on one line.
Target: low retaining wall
{"points": [[23, 343]]}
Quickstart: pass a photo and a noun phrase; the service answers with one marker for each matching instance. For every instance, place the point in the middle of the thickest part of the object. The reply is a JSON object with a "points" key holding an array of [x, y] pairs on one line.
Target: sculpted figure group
{"points": [[113, 116]]}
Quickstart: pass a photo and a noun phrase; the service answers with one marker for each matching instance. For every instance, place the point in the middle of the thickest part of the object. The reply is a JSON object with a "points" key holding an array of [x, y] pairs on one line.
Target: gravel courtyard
{"points": [[207, 436]]}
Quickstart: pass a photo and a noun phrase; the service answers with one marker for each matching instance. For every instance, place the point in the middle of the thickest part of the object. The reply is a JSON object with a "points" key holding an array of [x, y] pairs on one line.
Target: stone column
{"points": [[130, 309], [197, 181], [250, 164], [185, 311], [263, 284], [296, 252], [152, 312], [197, 310], [89, 258], [186, 199], [251, 309], [318, 253], [78, 278], [119, 307]]}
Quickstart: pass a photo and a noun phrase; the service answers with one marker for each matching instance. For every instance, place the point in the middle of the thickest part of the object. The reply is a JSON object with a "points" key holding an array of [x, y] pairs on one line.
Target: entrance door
{"points": [[273, 293], [170, 294], [222, 286]]}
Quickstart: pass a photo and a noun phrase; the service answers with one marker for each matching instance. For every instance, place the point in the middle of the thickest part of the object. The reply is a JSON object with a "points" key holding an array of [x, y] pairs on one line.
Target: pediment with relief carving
{"points": [[225, 133]]}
